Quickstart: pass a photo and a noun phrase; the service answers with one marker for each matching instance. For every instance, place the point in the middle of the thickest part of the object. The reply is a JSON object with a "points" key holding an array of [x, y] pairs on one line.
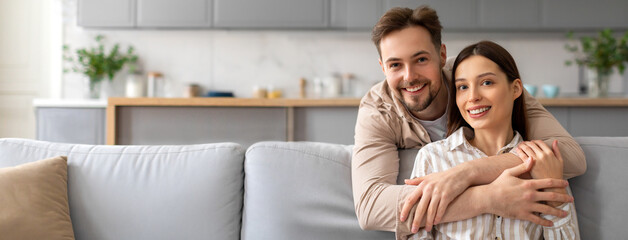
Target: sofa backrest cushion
{"points": [[146, 192], [299, 190], [600, 193]]}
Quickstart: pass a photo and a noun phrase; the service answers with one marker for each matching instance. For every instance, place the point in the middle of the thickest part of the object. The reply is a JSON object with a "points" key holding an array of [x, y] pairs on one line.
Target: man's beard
{"points": [[420, 106]]}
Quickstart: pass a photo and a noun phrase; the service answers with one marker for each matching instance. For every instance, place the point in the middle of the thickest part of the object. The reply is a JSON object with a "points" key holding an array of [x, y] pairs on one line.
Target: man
{"points": [[408, 110]]}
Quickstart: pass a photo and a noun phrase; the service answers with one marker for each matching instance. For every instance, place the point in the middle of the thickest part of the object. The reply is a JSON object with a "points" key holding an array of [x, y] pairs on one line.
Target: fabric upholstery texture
{"points": [[146, 192], [34, 201], [600, 193], [300, 190]]}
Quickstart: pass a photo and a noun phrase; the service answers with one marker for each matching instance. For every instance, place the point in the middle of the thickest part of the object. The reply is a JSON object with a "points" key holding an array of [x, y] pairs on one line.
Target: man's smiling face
{"points": [[412, 65]]}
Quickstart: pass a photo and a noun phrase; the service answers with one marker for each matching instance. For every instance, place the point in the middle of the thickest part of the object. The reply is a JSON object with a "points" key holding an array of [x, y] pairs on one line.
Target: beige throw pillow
{"points": [[34, 201]]}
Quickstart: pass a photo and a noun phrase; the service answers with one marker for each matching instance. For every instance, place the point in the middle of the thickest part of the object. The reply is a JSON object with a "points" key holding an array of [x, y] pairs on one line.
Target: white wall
{"points": [[238, 60]]}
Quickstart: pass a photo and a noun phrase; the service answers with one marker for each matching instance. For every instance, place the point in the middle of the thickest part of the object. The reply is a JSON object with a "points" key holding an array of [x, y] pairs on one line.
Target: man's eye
{"points": [[422, 59], [394, 65]]}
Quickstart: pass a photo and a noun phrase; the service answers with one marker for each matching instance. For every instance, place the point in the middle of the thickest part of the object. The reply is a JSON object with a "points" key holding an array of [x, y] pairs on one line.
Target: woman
{"points": [[489, 119]]}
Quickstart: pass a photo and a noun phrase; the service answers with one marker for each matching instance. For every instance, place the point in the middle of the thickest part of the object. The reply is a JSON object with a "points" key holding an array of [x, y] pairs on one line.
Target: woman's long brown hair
{"points": [[506, 63]]}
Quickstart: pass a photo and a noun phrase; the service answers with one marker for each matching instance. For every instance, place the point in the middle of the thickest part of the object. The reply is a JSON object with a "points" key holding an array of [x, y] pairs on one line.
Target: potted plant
{"points": [[599, 55], [97, 64]]}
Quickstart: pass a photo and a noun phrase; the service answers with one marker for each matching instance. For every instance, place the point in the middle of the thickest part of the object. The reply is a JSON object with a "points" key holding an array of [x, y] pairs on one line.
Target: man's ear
{"points": [[517, 87], [443, 55]]}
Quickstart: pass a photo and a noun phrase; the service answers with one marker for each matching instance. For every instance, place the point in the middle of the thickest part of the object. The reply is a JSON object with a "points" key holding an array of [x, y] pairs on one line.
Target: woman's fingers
{"points": [[409, 203], [420, 210], [520, 169], [442, 206], [431, 212], [414, 181]]}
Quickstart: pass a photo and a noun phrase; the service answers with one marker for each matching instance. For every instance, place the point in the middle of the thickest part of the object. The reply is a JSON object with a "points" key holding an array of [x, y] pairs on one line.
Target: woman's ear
{"points": [[517, 88]]}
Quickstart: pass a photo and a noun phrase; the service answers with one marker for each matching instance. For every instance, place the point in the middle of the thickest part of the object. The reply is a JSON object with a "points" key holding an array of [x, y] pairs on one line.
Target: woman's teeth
{"points": [[414, 89], [479, 110]]}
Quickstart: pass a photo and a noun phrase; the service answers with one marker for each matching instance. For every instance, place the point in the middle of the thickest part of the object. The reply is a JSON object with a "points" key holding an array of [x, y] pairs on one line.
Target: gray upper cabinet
{"points": [[247, 14], [453, 14], [585, 14], [509, 14], [356, 14], [110, 13], [180, 13]]}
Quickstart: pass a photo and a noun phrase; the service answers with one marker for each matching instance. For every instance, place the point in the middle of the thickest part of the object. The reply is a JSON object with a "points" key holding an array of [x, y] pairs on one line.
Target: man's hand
{"points": [[512, 197], [548, 162], [436, 191]]}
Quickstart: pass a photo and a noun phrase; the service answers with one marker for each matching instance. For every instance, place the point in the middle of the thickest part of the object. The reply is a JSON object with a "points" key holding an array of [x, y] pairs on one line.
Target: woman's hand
{"points": [[512, 197], [436, 191], [548, 162]]}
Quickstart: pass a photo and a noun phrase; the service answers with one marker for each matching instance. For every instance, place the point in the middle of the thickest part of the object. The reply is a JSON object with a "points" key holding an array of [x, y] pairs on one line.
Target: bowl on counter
{"points": [[550, 91], [530, 88]]}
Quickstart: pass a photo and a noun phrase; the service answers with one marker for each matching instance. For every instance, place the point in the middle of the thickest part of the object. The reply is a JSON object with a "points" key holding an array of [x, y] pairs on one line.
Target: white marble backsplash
{"points": [[239, 60]]}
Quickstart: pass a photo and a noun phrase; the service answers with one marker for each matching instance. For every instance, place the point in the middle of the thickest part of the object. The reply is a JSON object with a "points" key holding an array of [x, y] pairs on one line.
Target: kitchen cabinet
{"points": [[584, 14], [356, 14], [276, 14], [71, 125], [139, 125], [133, 121], [180, 13], [325, 124], [453, 14], [592, 121], [509, 14], [110, 13]]}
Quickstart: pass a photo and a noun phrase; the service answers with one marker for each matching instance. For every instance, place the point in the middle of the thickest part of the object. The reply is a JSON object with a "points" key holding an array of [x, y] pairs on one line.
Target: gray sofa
{"points": [[272, 190]]}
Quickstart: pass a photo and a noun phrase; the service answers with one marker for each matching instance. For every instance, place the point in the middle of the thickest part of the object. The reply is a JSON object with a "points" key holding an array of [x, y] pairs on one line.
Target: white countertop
{"points": [[70, 103]]}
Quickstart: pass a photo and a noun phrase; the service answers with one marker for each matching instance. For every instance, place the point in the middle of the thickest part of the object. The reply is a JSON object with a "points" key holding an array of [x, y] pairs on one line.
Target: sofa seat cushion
{"points": [[146, 192], [299, 190], [34, 201]]}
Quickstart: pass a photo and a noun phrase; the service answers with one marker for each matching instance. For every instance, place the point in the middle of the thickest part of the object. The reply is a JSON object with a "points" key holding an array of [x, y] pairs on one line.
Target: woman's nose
{"points": [[474, 94]]}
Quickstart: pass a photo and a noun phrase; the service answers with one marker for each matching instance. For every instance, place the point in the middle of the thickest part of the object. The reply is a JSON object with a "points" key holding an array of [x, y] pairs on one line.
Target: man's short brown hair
{"points": [[400, 18]]}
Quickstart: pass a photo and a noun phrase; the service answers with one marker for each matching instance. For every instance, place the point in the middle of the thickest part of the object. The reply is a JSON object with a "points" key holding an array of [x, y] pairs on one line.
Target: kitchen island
{"points": [[246, 120]]}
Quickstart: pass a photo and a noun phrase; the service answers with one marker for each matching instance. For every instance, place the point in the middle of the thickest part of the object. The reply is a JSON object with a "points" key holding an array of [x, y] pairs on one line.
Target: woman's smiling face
{"points": [[484, 95]]}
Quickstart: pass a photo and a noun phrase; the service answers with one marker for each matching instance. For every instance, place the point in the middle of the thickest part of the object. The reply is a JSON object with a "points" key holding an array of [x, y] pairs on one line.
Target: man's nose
{"points": [[410, 73]]}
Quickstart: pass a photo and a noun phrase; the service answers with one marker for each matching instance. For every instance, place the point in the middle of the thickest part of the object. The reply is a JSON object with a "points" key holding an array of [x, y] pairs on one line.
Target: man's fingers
{"points": [[520, 169], [414, 181], [548, 183], [410, 201], [553, 197], [538, 220], [547, 210], [420, 211]]}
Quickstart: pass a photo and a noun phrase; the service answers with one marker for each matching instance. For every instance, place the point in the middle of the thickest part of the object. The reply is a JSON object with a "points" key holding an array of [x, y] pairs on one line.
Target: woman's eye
{"points": [[487, 83], [461, 87]]}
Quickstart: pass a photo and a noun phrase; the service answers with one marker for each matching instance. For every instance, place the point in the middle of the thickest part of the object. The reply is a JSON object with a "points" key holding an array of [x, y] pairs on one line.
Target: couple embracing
{"points": [[492, 160]]}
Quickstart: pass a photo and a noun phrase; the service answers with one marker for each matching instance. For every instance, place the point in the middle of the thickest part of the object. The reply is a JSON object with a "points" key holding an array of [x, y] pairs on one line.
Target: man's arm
{"points": [[543, 126]]}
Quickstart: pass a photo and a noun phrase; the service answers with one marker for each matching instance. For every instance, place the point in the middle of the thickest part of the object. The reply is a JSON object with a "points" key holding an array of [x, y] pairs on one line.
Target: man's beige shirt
{"points": [[384, 125]]}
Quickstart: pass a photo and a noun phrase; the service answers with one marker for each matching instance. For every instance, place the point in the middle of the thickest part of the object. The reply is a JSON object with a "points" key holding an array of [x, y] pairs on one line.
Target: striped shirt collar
{"points": [[460, 138]]}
